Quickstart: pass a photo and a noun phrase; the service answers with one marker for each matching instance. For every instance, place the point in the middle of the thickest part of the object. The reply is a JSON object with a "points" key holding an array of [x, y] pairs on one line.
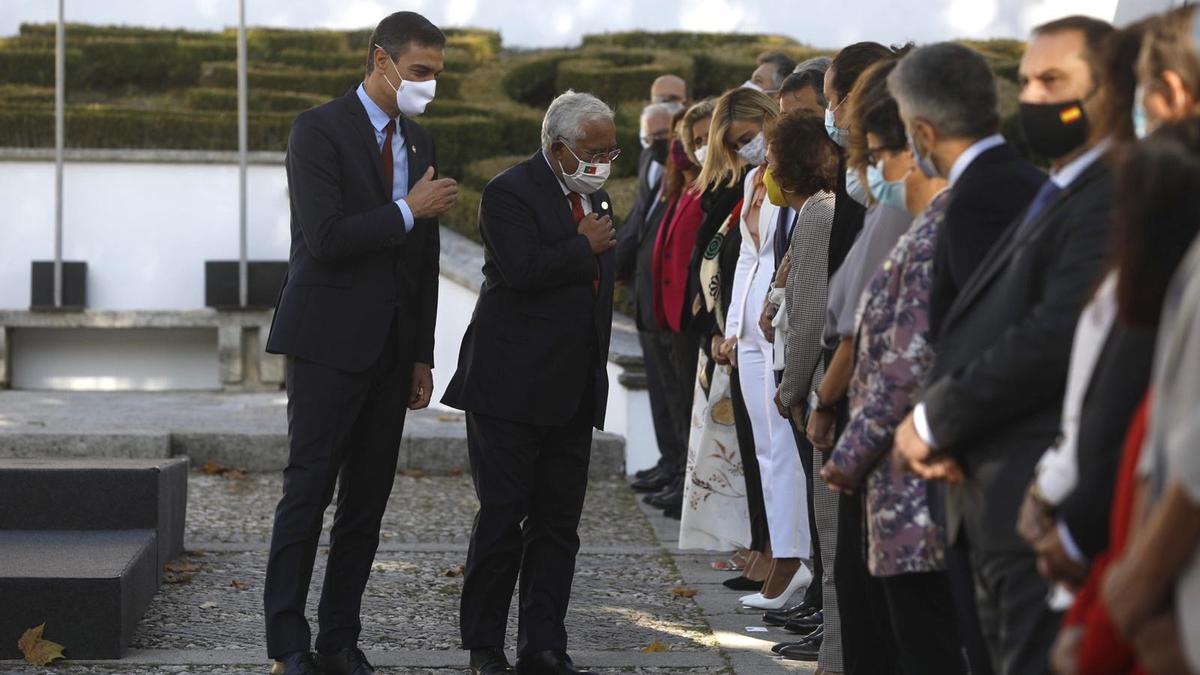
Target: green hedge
{"points": [[464, 217], [479, 173], [208, 98], [602, 74], [461, 140], [26, 93], [680, 40], [46, 31], [115, 63], [717, 72], [327, 83], [267, 43], [96, 126], [534, 82]]}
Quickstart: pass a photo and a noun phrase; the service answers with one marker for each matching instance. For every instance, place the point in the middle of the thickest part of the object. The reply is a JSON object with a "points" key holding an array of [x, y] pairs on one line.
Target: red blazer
{"points": [[672, 258], [1103, 651]]}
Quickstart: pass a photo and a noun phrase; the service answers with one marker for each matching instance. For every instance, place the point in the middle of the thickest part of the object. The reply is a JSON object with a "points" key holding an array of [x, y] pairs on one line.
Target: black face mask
{"points": [[1053, 130], [659, 149]]}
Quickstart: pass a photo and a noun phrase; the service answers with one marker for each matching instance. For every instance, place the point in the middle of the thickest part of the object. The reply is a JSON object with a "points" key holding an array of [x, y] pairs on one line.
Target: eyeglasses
{"points": [[602, 157], [876, 155]]}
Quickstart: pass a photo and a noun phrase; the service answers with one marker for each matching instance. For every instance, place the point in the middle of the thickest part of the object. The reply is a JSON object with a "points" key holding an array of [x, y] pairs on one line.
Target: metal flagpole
{"points": [[59, 135], [243, 139]]}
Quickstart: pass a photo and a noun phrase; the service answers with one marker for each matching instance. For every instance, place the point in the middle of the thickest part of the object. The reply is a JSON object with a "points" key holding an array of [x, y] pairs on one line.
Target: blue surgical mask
{"points": [[839, 135], [924, 162], [1141, 126], [855, 188], [886, 192]]}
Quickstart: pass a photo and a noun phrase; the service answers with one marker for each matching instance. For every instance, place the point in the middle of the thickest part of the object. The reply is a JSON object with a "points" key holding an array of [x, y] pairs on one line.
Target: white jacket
{"points": [[755, 268]]}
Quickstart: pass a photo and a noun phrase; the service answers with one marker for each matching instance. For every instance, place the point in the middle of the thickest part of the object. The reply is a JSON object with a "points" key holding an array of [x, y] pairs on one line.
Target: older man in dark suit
{"points": [[532, 377], [356, 321], [994, 401]]}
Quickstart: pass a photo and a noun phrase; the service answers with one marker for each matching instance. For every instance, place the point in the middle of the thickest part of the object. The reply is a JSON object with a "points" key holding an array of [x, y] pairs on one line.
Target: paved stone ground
{"points": [[623, 598]]}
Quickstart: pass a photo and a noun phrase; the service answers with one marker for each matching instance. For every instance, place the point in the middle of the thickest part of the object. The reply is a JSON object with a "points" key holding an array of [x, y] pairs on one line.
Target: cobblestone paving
{"points": [[622, 600], [431, 510]]}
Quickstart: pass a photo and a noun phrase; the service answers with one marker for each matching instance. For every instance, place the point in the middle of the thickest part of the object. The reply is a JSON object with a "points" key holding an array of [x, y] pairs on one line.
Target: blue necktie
{"points": [[1044, 197]]}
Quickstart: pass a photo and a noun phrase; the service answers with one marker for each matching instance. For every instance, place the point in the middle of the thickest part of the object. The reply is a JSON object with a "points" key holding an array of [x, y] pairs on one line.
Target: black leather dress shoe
{"points": [[646, 472], [805, 625], [671, 496], [548, 663], [805, 650], [349, 661], [490, 661], [780, 646], [781, 616], [297, 663], [742, 584], [655, 482]]}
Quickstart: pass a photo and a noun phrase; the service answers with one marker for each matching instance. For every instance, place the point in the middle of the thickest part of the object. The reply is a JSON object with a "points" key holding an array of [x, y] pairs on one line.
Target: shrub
{"points": [[26, 93], [207, 98], [717, 72], [98, 126], [680, 40], [479, 173], [326, 83], [601, 74], [534, 82], [267, 43], [464, 217]]}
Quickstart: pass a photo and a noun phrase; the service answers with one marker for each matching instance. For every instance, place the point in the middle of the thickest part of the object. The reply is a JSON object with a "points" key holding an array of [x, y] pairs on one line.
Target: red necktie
{"points": [[577, 211], [385, 153]]}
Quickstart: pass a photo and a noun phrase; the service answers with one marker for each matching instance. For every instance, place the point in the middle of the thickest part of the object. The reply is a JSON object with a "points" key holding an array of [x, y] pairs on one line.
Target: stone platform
{"points": [[237, 430]]}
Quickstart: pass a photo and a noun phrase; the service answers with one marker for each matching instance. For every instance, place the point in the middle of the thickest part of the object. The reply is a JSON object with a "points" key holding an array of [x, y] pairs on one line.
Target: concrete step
{"points": [[104, 493], [90, 588], [247, 431]]}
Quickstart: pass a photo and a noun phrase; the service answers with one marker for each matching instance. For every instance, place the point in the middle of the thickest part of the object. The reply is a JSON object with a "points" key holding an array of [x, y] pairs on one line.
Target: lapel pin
{"points": [[604, 206], [412, 149]]}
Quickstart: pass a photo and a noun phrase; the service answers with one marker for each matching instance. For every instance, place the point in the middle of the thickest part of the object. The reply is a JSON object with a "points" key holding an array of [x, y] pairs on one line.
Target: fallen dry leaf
{"points": [[240, 585], [455, 571], [655, 647], [214, 468], [449, 418], [37, 650], [684, 592], [413, 473], [179, 572]]}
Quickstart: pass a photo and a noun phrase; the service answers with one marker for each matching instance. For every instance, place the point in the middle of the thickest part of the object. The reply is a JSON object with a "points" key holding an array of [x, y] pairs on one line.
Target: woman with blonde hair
{"points": [[737, 136]]}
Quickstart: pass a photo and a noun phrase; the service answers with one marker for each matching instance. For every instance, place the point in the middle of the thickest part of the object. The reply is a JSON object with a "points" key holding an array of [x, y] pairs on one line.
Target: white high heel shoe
{"points": [[802, 578]]}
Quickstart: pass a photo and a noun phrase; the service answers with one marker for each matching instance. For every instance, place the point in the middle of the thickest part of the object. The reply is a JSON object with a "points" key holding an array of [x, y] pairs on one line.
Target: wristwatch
{"points": [[814, 403]]}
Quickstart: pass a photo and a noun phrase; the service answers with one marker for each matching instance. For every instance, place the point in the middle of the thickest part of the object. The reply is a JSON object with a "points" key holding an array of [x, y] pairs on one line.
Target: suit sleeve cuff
{"points": [[1069, 545], [921, 422], [407, 213]]}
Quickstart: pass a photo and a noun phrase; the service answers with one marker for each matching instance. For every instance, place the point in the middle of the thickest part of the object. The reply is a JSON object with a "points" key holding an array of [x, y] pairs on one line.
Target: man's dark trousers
{"points": [[343, 428], [531, 481]]}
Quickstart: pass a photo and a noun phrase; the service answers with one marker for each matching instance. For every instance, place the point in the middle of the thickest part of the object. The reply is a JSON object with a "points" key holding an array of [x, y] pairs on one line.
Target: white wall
{"points": [[95, 359], [145, 230]]}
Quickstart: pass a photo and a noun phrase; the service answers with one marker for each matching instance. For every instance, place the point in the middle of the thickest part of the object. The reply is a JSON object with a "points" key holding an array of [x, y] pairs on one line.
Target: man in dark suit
{"points": [[532, 377], [990, 185], [994, 400], [356, 319], [634, 254]]}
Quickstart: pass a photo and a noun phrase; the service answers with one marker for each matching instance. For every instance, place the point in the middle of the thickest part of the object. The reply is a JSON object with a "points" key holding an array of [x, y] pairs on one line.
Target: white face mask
{"points": [[411, 97], [754, 153], [749, 84], [701, 152], [588, 177]]}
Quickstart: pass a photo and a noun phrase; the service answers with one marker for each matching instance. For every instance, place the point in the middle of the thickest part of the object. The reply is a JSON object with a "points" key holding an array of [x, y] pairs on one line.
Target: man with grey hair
{"points": [[532, 378], [947, 98], [946, 93]]}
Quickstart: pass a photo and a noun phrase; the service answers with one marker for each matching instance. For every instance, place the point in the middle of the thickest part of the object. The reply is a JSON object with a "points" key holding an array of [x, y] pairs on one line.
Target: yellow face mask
{"points": [[774, 192]]}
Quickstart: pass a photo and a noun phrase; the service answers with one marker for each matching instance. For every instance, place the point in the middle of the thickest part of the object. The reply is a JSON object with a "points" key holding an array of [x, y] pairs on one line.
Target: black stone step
{"points": [[102, 493], [90, 588]]}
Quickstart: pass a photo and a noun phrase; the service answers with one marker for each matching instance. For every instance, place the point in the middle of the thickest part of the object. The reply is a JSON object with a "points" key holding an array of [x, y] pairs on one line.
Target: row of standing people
{"points": [[895, 365]]}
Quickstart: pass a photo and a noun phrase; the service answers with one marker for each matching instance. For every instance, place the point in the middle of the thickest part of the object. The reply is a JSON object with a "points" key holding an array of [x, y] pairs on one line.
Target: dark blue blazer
{"points": [[539, 336], [352, 267]]}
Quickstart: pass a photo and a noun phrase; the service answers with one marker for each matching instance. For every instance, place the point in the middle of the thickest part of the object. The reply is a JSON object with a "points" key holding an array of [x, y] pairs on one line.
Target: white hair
{"points": [[668, 108], [567, 115]]}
